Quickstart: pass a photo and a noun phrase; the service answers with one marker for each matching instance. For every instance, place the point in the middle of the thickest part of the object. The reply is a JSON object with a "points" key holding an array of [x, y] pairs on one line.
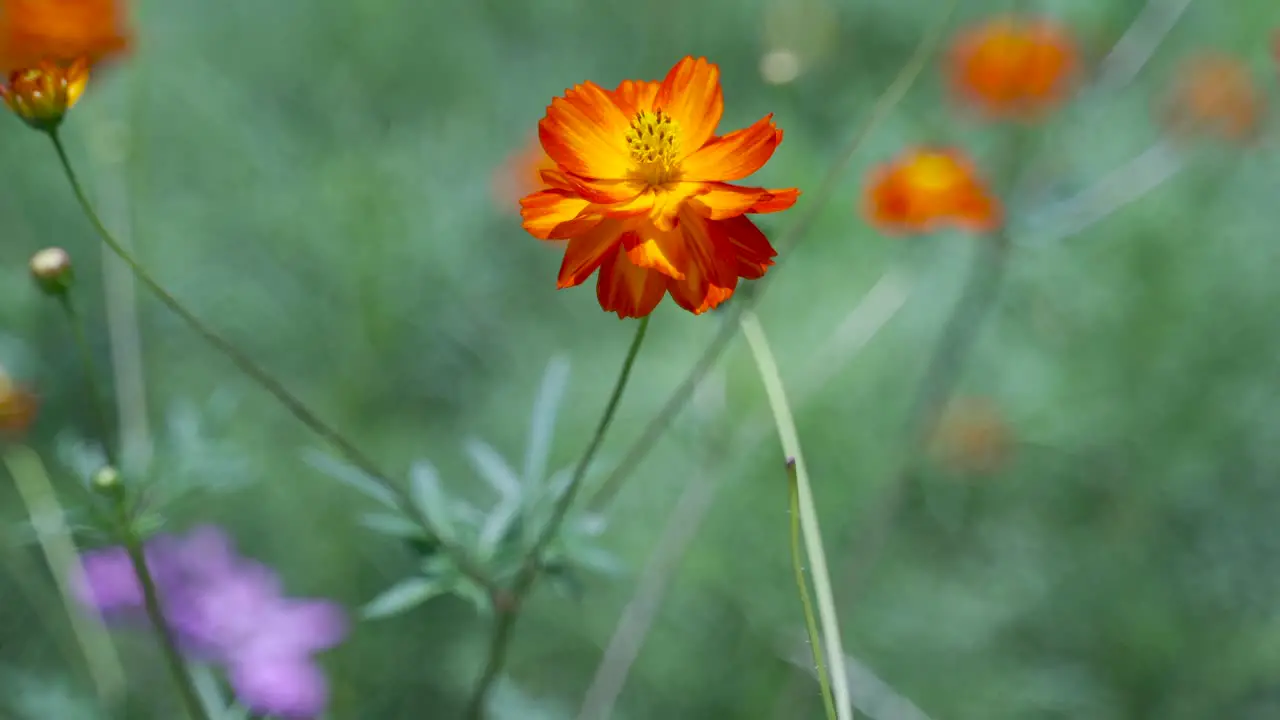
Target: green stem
{"points": [[90, 375], [509, 609], [790, 438], [133, 545], [48, 520], [273, 386], [810, 622]]}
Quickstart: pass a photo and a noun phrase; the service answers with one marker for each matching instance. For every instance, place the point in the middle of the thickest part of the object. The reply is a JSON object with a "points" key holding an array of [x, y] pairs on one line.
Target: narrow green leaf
{"points": [[401, 597]]}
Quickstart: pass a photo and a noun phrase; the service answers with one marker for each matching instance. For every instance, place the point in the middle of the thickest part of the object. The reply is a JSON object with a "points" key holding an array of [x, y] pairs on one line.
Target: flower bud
{"points": [[107, 481], [17, 407], [43, 94], [52, 271]]}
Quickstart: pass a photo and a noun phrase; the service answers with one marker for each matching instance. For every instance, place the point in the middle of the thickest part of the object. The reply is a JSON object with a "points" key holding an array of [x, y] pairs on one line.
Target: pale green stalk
{"points": [[790, 438]]}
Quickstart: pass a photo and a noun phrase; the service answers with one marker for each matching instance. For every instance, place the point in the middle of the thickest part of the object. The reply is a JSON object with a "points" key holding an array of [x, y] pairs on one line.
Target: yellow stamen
{"points": [[654, 141]]}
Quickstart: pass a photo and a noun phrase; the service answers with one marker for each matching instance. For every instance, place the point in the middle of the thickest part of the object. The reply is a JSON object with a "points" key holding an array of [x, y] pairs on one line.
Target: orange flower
{"points": [[641, 191], [43, 94], [1013, 67], [521, 174], [17, 407], [972, 436], [1215, 93], [927, 190], [61, 31]]}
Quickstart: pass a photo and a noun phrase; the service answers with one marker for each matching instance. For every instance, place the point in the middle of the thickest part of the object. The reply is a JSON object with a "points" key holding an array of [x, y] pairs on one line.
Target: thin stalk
{"points": [[133, 545], [767, 366], [265, 380], [48, 520], [101, 416], [802, 585], [531, 567]]}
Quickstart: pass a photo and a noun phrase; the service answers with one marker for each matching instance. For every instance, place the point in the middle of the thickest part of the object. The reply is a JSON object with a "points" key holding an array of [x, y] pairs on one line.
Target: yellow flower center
{"points": [[654, 141], [934, 171]]}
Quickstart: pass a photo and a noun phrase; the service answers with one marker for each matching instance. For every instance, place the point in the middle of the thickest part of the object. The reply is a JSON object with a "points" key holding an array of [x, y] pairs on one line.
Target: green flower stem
{"points": [[48, 520], [509, 609], [790, 438], [90, 375], [273, 386], [133, 545], [810, 621]]}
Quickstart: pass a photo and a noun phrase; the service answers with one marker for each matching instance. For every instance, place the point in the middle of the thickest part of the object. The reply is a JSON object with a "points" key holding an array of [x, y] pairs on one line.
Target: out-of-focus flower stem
{"points": [[802, 586], [90, 375], [531, 567], [945, 368], [835, 684], [133, 544], [273, 386], [48, 520]]}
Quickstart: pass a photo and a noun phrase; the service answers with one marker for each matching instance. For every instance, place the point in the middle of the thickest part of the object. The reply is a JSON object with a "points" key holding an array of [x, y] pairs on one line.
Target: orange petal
{"points": [[715, 259], [736, 155], [634, 96], [746, 242], [776, 201], [658, 250], [626, 289], [719, 201], [34, 31], [691, 95], [605, 192], [585, 252], [553, 177], [584, 132], [668, 202], [697, 294], [977, 211], [544, 211]]}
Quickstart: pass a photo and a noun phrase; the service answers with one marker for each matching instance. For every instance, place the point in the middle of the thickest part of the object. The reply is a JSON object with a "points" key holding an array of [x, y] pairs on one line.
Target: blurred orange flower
{"points": [[1215, 93], [41, 95], [17, 407], [1013, 67], [972, 436], [521, 174], [641, 191], [60, 31], [926, 190]]}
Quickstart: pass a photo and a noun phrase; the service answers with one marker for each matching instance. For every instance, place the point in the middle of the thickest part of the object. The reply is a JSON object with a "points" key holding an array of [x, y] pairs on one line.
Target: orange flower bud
{"points": [[1214, 93], [972, 437], [17, 408], [928, 190], [43, 94]]}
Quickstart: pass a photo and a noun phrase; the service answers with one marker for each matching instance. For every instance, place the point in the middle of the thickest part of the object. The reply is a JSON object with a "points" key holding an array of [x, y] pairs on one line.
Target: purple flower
{"points": [[104, 580], [288, 688], [226, 610]]}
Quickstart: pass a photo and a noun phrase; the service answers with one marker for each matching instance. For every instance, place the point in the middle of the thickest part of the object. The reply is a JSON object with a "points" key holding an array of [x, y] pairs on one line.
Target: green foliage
{"points": [[313, 178]]}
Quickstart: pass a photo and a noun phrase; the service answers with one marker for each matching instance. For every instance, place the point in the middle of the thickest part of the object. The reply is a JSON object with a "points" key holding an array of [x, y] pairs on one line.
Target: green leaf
{"points": [[493, 469], [392, 525], [542, 424], [351, 477], [430, 499], [402, 597]]}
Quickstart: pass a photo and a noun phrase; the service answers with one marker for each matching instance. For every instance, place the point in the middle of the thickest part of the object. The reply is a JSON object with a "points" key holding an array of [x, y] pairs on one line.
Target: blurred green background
{"points": [[316, 179]]}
